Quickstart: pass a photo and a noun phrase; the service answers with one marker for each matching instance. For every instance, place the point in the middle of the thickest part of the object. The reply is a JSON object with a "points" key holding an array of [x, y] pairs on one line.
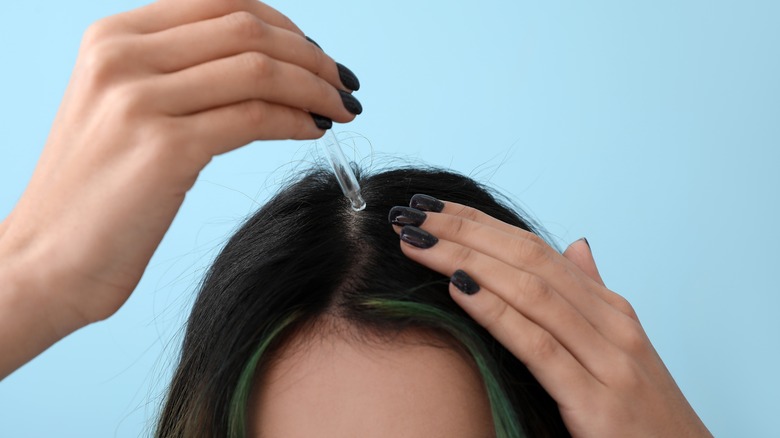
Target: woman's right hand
{"points": [[155, 94]]}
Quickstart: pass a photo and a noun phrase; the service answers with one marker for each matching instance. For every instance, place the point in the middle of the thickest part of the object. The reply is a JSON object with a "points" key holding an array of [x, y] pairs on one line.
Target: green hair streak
{"points": [[238, 403], [505, 420]]}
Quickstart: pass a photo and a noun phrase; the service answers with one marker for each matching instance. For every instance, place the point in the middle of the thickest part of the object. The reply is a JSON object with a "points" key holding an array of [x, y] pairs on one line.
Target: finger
{"points": [[248, 76], [561, 375], [474, 215], [528, 252], [167, 14], [231, 35], [525, 293], [579, 254], [223, 129]]}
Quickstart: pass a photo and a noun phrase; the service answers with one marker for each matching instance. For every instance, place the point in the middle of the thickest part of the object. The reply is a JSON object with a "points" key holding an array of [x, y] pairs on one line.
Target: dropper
{"points": [[344, 174]]}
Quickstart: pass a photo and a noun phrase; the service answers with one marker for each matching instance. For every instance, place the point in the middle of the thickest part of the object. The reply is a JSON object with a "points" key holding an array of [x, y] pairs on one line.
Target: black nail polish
{"points": [[426, 203], [586, 242], [464, 282], [406, 216], [322, 122], [350, 103], [348, 78], [418, 237], [313, 42]]}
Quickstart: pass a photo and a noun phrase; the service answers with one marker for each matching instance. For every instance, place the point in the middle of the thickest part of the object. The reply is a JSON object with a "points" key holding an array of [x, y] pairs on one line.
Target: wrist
{"points": [[27, 326]]}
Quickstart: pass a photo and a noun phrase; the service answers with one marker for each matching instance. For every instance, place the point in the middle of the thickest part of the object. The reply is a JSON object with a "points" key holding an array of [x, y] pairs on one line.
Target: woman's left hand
{"points": [[582, 342]]}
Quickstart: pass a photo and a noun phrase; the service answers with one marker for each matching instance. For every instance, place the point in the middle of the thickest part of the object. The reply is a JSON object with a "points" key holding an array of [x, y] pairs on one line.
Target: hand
{"points": [[155, 94], [581, 341]]}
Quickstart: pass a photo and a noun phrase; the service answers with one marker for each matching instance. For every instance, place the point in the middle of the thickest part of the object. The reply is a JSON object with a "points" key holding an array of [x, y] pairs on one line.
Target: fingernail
{"points": [[322, 122], [350, 103], [464, 282], [313, 42], [418, 237], [426, 203], [406, 216], [586, 241], [348, 78]]}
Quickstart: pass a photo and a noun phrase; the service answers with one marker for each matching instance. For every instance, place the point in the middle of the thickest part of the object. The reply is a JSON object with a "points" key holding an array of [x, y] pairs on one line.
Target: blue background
{"points": [[651, 127]]}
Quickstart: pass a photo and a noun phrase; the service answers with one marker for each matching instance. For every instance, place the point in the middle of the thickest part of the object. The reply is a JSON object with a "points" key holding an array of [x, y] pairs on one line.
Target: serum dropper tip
{"points": [[344, 174], [358, 204]]}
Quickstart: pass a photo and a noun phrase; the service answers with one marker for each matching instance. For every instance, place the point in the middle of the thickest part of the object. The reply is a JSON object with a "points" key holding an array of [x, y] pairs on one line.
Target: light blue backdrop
{"points": [[651, 127]]}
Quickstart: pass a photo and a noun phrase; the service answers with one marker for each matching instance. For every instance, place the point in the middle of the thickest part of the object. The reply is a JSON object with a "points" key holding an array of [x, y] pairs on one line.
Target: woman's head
{"points": [[312, 317]]}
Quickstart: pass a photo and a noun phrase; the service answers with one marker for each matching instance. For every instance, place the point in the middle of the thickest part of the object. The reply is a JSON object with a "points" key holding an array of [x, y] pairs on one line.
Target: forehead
{"points": [[332, 387]]}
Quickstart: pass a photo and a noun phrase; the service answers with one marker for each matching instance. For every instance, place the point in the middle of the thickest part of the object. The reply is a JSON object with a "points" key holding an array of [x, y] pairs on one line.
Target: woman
{"points": [[142, 117]]}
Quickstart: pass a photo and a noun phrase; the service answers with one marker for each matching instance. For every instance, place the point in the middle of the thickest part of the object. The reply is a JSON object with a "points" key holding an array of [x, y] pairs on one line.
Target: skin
{"points": [[158, 91], [335, 387]]}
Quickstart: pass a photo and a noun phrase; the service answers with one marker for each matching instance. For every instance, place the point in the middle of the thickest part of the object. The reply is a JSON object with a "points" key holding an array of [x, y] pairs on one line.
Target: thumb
{"points": [[580, 254]]}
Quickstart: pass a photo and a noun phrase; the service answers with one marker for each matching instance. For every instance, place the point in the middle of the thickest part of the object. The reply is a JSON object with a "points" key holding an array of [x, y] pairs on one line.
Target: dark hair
{"points": [[306, 255]]}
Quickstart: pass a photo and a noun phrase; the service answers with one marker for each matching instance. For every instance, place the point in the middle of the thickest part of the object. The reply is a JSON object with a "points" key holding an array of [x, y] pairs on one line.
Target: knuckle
{"points": [[102, 62], [530, 251], [246, 25], [302, 129], [129, 101], [255, 112], [325, 90], [285, 22], [96, 31], [468, 213], [318, 58], [259, 65], [543, 346], [624, 307], [633, 338], [458, 226], [533, 292], [495, 315], [536, 241], [463, 257]]}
